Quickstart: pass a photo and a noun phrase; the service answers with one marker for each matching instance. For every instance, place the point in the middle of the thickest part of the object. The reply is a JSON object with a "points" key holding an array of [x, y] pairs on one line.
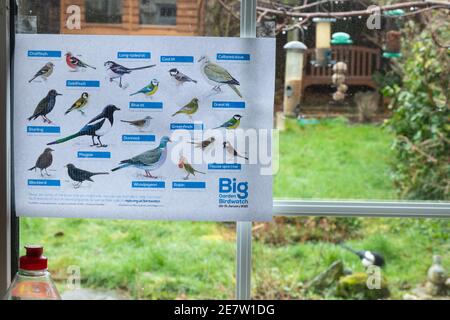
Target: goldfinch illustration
{"points": [[80, 104]]}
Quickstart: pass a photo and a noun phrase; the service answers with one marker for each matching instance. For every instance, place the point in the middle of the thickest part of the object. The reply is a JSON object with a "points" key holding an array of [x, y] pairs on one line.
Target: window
{"points": [[104, 11], [158, 12]]}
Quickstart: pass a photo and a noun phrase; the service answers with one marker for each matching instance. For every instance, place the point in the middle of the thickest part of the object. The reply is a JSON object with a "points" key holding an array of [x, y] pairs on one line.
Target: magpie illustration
{"points": [[79, 175], [97, 127], [117, 71], [368, 258], [44, 161], [45, 106]]}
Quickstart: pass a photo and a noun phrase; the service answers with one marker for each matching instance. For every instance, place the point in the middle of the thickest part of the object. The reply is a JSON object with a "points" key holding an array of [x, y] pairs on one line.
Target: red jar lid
{"points": [[33, 260]]}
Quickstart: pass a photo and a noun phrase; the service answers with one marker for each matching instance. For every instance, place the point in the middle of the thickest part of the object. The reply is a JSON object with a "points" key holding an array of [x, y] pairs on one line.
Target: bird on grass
{"points": [[204, 144], [97, 127], [79, 175], [45, 106], [80, 104], [149, 90], [140, 124], [189, 109], [368, 258], [233, 123], [150, 160], [45, 72], [180, 77], [218, 76], [187, 167], [76, 64], [117, 71], [44, 161], [232, 151]]}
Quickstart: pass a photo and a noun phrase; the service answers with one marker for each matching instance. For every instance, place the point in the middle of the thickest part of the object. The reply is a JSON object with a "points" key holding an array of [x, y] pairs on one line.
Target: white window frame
{"points": [[393, 209]]}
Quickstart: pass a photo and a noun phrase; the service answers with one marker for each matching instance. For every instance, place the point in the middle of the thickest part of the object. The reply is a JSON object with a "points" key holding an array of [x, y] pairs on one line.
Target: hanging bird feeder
{"points": [[393, 34], [341, 38], [293, 77], [323, 41]]}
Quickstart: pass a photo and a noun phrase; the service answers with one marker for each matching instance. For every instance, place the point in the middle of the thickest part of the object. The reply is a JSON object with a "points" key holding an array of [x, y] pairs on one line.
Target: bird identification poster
{"points": [[138, 127]]}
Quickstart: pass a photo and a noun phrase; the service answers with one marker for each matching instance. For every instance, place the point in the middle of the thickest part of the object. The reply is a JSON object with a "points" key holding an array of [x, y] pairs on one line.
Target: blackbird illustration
{"points": [[45, 106], [44, 161], [80, 175]]}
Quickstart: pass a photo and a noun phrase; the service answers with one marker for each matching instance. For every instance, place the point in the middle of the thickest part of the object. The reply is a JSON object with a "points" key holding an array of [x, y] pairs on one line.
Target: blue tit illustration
{"points": [[149, 90]]}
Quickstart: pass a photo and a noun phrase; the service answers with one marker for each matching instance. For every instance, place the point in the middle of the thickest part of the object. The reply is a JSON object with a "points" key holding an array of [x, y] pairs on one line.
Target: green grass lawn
{"points": [[166, 260]]}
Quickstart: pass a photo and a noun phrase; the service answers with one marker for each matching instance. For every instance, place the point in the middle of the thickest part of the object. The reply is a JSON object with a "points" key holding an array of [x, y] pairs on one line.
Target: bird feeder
{"points": [[293, 77], [393, 34], [323, 44], [341, 38]]}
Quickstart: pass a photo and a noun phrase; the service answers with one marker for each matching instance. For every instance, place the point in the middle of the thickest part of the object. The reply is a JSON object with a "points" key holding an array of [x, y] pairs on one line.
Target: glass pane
{"points": [[132, 259], [104, 11], [317, 258], [163, 12]]}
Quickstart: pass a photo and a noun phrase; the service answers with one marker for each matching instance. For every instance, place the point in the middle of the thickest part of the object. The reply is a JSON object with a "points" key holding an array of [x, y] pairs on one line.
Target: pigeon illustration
{"points": [[218, 76], [150, 160], [117, 71], [180, 77], [44, 161], [45, 72], [97, 127], [45, 106], [79, 175]]}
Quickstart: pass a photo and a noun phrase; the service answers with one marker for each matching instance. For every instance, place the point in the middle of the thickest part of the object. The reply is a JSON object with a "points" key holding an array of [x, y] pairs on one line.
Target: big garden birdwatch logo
{"points": [[155, 128]]}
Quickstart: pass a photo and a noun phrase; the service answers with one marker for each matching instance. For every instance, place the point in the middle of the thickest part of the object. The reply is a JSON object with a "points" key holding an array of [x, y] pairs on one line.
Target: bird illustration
{"points": [[180, 77], [233, 123], [117, 71], [76, 64], [79, 175], [189, 109], [218, 76], [97, 127], [44, 161], [149, 90], [232, 151], [368, 258], [141, 124], [45, 72], [204, 144], [45, 106], [187, 167], [80, 104], [150, 160]]}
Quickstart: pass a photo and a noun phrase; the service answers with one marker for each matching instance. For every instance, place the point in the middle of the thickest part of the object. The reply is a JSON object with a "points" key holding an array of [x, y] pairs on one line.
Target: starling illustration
{"points": [[187, 167], [232, 151], [44, 161], [140, 124], [180, 77], [189, 109], [149, 90], [75, 64], [45, 106], [97, 127], [80, 175], [117, 71], [233, 123], [80, 104], [205, 143], [45, 72], [218, 76], [150, 160]]}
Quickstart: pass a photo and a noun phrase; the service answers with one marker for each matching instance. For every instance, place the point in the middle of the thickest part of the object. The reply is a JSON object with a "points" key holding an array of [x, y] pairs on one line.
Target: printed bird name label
{"points": [[143, 127]]}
